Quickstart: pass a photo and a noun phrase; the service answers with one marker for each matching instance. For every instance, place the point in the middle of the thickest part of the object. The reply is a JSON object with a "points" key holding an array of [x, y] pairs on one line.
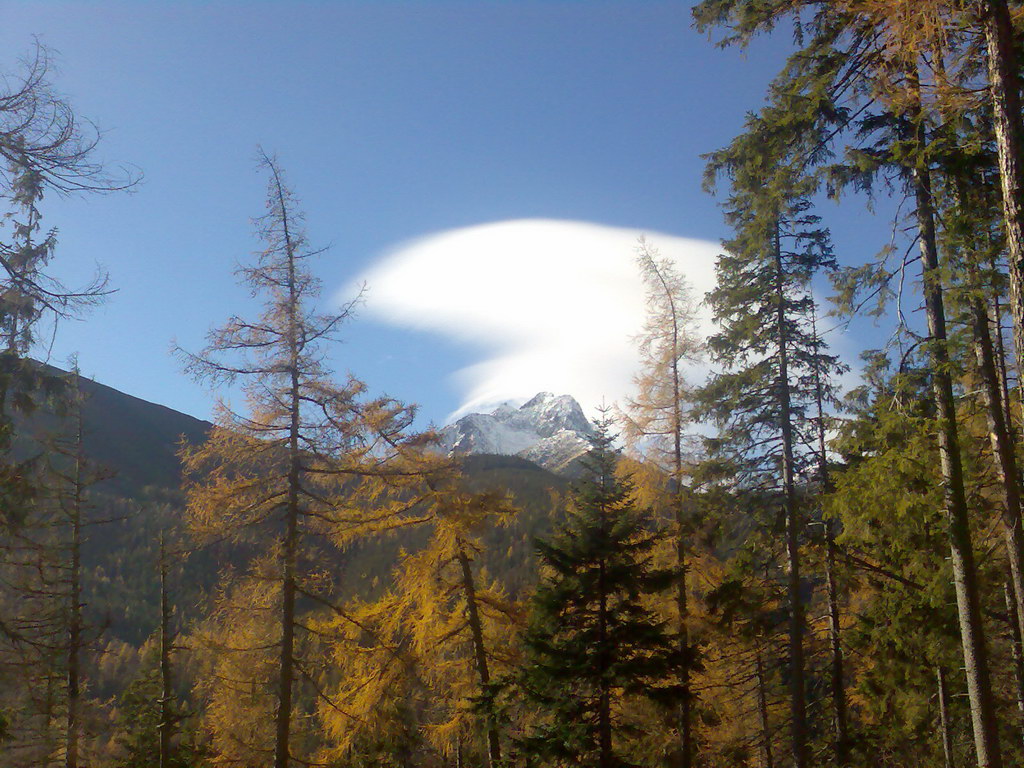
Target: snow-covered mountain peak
{"points": [[550, 430], [548, 413]]}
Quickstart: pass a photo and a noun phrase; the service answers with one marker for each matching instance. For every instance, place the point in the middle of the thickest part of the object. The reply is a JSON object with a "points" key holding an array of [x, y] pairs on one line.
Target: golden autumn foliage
{"points": [[235, 663], [407, 666]]}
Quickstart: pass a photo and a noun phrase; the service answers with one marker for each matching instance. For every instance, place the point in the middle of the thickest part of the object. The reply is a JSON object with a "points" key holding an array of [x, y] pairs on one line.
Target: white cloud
{"points": [[553, 305]]}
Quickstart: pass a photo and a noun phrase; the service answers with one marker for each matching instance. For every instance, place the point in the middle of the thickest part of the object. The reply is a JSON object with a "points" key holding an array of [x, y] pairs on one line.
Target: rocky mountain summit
{"points": [[549, 430]]}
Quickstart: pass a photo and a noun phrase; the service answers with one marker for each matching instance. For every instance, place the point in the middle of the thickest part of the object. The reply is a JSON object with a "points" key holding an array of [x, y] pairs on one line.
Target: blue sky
{"points": [[394, 121]]}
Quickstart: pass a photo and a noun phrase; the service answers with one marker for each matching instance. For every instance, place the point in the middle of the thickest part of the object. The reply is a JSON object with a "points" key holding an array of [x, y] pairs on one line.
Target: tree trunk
{"points": [[684, 719], [1001, 366], [798, 704], [1018, 651], [842, 737], [75, 601], [604, 704], [841, 745], [947, 736], [1004, 93], [479, 655], [684, 723], [289, 549], [1003, 451], [288, 556], [604, 715], [986, 738], [166, 723], [762, 710], [683, 716]]}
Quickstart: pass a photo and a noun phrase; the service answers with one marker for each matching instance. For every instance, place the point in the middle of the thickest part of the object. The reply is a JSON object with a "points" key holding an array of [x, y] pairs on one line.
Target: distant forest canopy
{"points": [[811, 578]]}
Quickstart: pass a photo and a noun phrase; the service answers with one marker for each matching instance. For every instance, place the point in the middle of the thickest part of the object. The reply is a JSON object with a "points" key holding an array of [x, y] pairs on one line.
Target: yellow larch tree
{"points": [[419, 664], [306, 466], [656, 420]]}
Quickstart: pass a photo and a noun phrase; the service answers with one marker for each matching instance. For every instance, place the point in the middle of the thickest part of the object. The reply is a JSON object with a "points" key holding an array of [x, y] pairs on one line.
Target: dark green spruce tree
{"points": [[773, 368], [593, 646]]}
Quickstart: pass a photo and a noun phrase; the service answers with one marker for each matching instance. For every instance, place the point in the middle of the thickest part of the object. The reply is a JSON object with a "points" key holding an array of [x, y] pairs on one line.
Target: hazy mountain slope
{"points": [[136, 438]]}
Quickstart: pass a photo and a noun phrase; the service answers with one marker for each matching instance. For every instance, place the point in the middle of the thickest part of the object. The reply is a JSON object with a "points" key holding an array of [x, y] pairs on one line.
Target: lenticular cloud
{"points": [[553, 305]]}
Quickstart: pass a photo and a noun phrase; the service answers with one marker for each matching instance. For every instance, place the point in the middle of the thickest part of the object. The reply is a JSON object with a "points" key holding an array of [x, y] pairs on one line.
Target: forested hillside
{"points": [[136, 444]]}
